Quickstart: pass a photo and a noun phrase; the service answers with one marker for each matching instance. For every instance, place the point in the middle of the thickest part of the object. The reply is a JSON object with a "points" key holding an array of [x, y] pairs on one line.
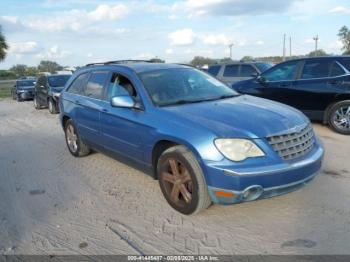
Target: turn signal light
{"points": [[224, 194]]}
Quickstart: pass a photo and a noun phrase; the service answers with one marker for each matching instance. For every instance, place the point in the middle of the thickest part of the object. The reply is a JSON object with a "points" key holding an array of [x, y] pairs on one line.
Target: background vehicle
{"points": [[23, 89], [48, 90], [234, 72], [320, 87], [203, 141]]}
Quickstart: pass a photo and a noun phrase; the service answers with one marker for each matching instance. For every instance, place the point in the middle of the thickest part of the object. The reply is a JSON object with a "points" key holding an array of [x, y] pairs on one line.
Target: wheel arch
{"points": [[336, 99]]}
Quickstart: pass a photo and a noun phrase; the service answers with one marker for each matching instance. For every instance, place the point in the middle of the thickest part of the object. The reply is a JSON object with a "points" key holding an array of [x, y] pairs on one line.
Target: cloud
{"points": [[108, 12], [53, 53], [340, 10], [169, 51], [233, 7], [182, 37], [216, 39], [23, 47]]}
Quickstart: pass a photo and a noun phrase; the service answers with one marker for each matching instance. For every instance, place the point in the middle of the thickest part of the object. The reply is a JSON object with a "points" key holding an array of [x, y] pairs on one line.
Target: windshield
{"points": [[263, 66], [183, 85], [25, 83], [58, 81]]}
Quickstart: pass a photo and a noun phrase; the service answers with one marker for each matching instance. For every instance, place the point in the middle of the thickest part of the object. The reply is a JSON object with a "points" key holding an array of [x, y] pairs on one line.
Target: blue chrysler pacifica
{"points": [[203, 141]]}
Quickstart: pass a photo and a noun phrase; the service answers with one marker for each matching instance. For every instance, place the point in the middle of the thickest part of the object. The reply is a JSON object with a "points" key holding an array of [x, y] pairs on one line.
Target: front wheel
{"points": [[339, 117], [52, 106], [182, 181], [75, 145]]}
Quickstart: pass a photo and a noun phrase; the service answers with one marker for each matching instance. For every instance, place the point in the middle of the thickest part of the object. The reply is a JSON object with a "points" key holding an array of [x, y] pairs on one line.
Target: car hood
{"points": [[242, 116]]}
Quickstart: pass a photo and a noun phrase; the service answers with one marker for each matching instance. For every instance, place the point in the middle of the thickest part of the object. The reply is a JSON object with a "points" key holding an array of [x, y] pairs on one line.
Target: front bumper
{"points": [[232, 185], [25, 95]]}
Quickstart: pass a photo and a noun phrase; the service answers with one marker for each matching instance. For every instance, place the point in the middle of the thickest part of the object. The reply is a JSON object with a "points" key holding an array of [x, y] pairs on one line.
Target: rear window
{"points": [[247, 70], [231, 70], [58, 81], [214, 70]]}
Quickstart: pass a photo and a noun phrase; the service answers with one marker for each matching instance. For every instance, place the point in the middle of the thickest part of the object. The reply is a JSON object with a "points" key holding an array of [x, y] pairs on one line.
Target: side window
{"points": [[214, 70], [94, 86], [231, 70], [119, 86], [284, 71], [75, 87], [315, 69], [336, 70], [247, 70]]}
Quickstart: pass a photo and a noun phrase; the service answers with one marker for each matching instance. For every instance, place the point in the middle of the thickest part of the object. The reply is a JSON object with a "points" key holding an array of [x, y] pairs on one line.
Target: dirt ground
{"points": [[53, 203]]}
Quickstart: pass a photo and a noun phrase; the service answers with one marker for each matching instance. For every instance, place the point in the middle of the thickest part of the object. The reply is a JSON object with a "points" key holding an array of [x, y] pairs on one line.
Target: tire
{"points": [[36, 103], [187, 191], [52, 106], [75, 145], [19, 99], [339, 117]]}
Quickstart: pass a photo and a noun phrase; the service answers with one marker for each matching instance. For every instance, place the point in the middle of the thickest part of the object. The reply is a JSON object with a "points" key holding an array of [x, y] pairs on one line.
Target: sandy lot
{"points": [[53, 203]]}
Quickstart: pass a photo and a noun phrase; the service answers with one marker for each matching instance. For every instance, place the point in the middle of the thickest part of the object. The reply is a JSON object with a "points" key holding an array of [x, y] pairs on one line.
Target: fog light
{"points": [[251, 193]]}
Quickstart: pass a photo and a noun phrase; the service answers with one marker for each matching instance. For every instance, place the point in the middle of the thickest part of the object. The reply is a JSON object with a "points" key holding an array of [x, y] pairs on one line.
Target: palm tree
{"points": [[3, 46]]}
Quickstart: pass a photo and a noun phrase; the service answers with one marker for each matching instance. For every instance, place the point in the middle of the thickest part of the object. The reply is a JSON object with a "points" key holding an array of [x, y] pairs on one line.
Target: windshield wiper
{"points": [[184, 101]]}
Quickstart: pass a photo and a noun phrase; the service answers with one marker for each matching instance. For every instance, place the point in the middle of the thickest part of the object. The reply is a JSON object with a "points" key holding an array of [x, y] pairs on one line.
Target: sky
{"points": [[77, 32]]}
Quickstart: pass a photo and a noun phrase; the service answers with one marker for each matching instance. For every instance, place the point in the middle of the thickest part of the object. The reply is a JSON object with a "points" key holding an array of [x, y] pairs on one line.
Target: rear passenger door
{"points": [[317, 85], [90, 106], [229, 74]]}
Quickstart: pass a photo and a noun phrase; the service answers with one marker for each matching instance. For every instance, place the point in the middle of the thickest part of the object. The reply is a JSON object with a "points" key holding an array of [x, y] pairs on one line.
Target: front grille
{"points": [[293, 145]]}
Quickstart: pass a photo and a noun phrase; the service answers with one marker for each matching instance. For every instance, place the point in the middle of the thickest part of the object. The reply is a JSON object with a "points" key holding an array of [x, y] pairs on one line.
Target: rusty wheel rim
{"points": [[177, 182]]}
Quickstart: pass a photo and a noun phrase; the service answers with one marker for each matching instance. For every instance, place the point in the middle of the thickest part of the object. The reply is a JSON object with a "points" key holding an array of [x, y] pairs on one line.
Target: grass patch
{"points": [[5, 88]]}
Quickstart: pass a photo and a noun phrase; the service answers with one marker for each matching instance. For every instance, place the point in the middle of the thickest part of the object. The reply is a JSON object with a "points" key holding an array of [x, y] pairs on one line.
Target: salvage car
{"points": [[203, 141], [48, 90], [23, 89], [318, 86]]}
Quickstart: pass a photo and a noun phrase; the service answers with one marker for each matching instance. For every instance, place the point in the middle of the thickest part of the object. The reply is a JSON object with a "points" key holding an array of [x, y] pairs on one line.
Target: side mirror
{"points": [[255, 75], [123, 101]]}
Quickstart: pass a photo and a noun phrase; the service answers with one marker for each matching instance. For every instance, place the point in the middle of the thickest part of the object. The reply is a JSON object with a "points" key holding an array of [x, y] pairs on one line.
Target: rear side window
{"points": [[315, 69], [336, 70], [231, 70], [214, 70], [282, 72], [94, 87], [247, 70], [76, 86]]}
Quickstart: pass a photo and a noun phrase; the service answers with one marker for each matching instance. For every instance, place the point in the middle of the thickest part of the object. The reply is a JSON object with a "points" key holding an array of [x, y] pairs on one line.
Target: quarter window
{"points": [[281, 72], [231, 71], [76, 86], [247, 70], [94, 87], [315, 69], [336, 70]]}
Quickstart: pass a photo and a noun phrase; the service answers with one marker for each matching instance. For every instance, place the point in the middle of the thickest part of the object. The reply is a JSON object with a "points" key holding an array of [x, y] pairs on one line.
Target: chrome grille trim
{"points": [[293, 145]]}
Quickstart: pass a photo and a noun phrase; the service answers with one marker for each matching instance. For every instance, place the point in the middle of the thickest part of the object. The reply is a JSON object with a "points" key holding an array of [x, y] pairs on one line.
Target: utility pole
{"points": [[290, 46], [284, 47], [316, 42], [230, 46]]}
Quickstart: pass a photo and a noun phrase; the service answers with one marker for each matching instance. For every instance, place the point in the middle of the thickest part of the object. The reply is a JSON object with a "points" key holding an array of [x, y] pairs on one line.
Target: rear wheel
{"points": [[75, 145], [339, 117], [52, 106], [182, 181]]}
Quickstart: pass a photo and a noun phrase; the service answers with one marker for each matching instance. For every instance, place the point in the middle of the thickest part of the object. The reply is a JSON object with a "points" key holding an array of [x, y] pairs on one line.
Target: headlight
{"points": [[238, 149], [56, 94]]}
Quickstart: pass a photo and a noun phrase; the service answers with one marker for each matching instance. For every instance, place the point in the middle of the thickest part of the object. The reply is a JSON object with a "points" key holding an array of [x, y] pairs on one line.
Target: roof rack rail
{"points": [[120, 62]]}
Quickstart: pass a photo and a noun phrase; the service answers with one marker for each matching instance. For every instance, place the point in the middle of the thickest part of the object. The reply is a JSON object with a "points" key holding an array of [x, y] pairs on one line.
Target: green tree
{"points": [[247, 58], [19, 70], [319, 52], [31, 71], [201, 61], [157, 60], [3, 46], [225, 60], [344, 36], [49, 66]]}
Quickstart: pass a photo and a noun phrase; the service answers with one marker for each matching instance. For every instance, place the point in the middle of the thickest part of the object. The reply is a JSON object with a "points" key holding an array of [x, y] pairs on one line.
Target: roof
{"points": [[138, 67]]}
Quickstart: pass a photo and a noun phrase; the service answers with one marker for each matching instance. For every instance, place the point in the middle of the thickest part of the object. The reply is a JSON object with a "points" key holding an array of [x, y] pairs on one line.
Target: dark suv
{"points": [[234, 72], [48, 90], [23, 89], [319, 86]]}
